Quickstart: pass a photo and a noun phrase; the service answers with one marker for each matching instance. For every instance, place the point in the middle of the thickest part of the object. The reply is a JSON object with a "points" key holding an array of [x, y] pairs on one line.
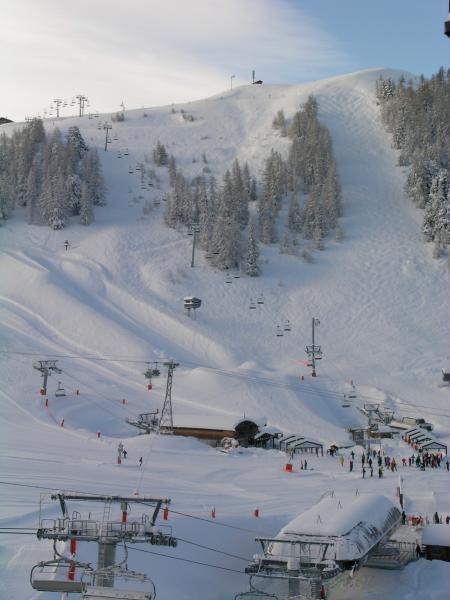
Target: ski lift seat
{"points": [[252, 305], [260, 299], [192, 302], [103, 593], [60, 391], [43, 578]]}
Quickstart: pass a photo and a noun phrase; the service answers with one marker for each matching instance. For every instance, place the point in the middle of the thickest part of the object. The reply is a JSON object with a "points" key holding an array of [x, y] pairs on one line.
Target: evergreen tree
{"points": [[252, 268]]}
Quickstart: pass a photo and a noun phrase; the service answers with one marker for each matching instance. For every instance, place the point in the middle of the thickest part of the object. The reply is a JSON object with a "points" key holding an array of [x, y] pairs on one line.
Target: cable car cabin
{"points": [[191, 302], [60, 391]]}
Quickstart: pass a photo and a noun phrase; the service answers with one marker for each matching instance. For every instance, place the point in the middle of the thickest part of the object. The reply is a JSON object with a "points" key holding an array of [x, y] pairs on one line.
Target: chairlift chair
{"points": [[345, 402], [260, 299], [155, 371], [156, 201], [99, 126], [279, 331], [228, 279], [352, 394], [237, 275], [138, 167], [287, 325], [130, 171], [115, 138], [119, 154], [126, 152], [92, 591], [51, 576], [252, 305], [60, 391]]}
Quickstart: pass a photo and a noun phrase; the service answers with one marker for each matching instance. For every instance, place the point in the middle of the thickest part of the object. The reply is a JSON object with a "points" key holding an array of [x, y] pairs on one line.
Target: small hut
{"points": [[436, 542]]}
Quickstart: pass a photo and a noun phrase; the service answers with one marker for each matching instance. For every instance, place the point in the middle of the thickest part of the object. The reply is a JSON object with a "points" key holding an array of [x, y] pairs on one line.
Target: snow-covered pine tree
{"points": [[435, 221], [86, 210], [76, 143], [251, 263], [33, 190]]}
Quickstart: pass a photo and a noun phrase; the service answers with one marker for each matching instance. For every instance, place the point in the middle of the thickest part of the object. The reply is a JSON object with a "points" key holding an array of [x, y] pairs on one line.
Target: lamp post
{"points": [[231, 81]]}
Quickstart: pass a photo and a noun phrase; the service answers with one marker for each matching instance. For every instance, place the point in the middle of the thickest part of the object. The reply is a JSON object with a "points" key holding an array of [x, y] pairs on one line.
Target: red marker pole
{"points": [[73, 551]]}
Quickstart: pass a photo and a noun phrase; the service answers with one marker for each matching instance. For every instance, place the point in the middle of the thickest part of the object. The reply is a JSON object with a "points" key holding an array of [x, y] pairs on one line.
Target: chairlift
{"points": [[130, 171], [155, 371], [352, 394], [156, 201], [279, 331], [228, 279], [237, 275], [345, 402], [119, 154], [260, 299], [252, 305], [60, 391], [115, 138], [51, 576], [138, 167], [99, 126], [126, 152], [287, 325], [255, 594], [445, 376], [93, 591]]}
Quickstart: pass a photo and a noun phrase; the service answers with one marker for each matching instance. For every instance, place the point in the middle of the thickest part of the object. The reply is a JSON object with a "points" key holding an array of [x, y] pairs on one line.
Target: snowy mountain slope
{"points": [[117, 292]]}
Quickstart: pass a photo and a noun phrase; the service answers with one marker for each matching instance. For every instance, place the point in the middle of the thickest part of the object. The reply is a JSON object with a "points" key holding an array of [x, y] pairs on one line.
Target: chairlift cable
{"points": [[195, 562]]}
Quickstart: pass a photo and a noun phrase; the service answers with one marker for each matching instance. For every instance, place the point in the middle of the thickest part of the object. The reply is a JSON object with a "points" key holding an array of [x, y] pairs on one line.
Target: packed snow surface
{"points": [[114, 301]]}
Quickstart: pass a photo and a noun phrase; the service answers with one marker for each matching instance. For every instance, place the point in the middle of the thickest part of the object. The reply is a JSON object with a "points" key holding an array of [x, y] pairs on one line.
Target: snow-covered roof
{"points": [[268, 430], [384, 429], [433, 445], [260, 421], [336, 517], [436, 535]]}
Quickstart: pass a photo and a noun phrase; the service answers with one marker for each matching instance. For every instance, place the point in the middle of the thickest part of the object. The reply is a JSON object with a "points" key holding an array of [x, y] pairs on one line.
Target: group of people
{"points": [[419, 520], [122, 453]]}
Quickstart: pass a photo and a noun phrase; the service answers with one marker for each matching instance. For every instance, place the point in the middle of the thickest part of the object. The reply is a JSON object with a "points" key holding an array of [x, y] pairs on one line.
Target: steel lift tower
{"points": [[67, 575]]}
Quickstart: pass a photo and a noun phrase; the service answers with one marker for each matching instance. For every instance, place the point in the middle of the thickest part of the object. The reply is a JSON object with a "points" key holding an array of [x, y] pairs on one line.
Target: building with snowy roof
{"points": [[436, 542]]}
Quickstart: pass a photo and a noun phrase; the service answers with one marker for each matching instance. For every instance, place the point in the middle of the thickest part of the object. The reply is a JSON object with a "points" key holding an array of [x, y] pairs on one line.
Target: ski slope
{"points": [[117, 294]]}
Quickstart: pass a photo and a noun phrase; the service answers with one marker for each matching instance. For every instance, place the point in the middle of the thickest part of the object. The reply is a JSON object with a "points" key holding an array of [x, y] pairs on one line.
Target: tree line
{"points": [[52, 177], [418, 118], [235, 216]]}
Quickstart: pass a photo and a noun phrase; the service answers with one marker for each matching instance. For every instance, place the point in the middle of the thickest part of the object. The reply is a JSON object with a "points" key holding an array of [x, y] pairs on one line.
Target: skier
{"points": [[380, 472], [351, 465], [140, 462], [125, 453], [418, 550], [66, 245], [306, 465], [447, 520], [371, 471], [364, 473], [436, 518], [403, 518], [341, 460]]}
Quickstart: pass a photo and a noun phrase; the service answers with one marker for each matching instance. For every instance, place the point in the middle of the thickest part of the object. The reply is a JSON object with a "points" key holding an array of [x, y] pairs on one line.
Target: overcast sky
{"points": [[152, 52]]}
